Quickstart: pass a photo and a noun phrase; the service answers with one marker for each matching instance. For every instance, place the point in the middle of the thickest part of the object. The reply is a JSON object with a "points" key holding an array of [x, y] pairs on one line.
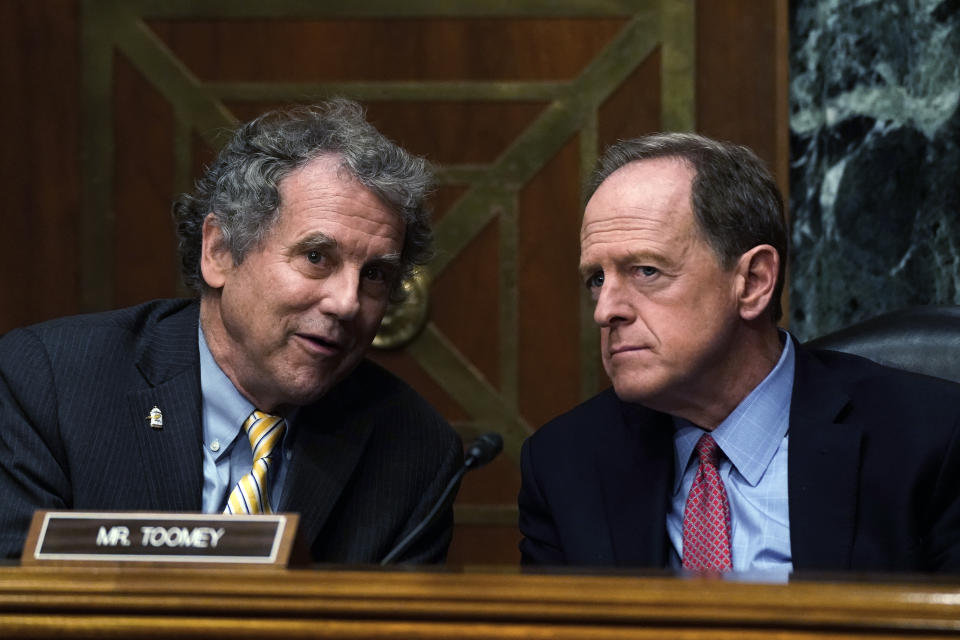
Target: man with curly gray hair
{"points": [[255, 397]]}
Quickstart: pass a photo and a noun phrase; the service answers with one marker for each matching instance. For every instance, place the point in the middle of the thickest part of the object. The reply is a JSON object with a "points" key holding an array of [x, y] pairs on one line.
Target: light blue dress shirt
{"points": [[227, 455], [754, 440]]}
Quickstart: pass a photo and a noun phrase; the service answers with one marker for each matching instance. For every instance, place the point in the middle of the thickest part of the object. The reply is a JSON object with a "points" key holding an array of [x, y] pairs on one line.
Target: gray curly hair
{"points": [[241, 187]]}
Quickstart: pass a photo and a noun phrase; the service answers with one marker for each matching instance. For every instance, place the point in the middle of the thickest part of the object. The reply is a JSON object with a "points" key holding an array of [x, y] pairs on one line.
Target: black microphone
{"points": [[483, 450]]}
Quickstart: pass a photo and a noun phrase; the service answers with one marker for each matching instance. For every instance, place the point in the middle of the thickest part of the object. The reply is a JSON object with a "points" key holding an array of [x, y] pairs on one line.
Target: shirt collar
{"points": [[751, 434], [224, 408]]}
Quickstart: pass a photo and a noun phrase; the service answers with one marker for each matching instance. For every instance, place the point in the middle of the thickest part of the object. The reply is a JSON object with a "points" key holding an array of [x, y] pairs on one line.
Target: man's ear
{"points": [[216, 261], [757, 271]]}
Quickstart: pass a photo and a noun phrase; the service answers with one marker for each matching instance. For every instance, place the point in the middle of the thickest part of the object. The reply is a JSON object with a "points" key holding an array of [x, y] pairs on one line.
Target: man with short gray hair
{"points": [[724, 444], [255, 398]]}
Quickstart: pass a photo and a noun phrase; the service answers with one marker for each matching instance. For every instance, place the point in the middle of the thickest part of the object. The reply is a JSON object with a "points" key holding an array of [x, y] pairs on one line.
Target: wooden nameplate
{"points": [[174, 539]]}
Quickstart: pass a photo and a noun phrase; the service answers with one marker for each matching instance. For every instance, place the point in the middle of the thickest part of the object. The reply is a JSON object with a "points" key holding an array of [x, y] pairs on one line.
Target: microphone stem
{"points": [[400, 548]]}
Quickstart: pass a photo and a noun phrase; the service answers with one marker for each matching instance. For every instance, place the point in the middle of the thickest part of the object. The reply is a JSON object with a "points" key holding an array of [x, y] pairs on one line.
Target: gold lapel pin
{"points": [[156, 418]]}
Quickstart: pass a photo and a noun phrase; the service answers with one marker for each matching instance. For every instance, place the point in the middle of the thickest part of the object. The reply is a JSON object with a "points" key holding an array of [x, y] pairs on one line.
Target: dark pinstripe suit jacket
{"points": [[370, 457]]}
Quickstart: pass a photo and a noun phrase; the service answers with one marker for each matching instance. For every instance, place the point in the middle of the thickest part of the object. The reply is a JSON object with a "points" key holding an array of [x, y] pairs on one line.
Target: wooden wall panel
{"points": [[428, 48], [520, 112], [466, 296], [145, 245], [634, 108], [741, 76], [39, 160], [406, 367], [549, 285]]}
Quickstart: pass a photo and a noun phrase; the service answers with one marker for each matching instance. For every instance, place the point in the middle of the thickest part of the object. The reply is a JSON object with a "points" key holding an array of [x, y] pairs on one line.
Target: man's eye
{"points": [[375, 274], [315, 257], [648, 271], [595, 281]]}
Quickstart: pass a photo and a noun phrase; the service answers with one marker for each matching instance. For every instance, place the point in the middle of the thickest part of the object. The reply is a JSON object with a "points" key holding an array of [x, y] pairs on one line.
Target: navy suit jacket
{"points": [[873, 475], [370, 458]]}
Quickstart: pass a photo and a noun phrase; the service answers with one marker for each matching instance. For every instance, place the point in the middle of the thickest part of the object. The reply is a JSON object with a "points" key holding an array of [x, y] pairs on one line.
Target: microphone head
{"points": [[483, 450]]}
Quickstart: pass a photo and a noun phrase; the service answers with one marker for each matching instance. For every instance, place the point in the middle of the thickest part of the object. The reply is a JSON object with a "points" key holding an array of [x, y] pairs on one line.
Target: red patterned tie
{"points": [[706, 518]]}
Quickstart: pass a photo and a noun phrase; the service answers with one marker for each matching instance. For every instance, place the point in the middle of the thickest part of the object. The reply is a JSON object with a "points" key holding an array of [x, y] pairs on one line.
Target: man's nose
{"points": [[341, 296], [612, 306]]}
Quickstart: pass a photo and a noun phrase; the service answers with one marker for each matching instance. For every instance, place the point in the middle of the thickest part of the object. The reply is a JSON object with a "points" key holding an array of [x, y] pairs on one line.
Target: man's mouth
{"points": [[625, 348], [321, 343]]}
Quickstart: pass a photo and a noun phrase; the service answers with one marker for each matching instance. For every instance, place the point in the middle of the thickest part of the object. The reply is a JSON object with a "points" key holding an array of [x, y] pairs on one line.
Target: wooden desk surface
{"points": [[76, 602]]}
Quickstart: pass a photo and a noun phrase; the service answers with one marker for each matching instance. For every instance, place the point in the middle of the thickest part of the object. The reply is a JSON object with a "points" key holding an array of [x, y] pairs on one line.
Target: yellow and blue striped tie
{"points": [[251, 495]]}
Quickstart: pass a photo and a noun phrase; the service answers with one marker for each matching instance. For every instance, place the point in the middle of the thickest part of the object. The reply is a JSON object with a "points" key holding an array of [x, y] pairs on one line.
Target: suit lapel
{"points": [[635, 466], [823, 469], [171, 456], [329, 439]]}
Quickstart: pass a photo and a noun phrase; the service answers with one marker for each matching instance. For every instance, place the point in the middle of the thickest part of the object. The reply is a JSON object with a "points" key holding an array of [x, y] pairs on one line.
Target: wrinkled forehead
{"points": [[641, 194], [321, 196]]}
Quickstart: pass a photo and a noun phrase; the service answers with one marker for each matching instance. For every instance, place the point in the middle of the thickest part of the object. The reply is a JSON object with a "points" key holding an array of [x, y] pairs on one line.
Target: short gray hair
{"points": [[241, 187], [735, 199]]}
